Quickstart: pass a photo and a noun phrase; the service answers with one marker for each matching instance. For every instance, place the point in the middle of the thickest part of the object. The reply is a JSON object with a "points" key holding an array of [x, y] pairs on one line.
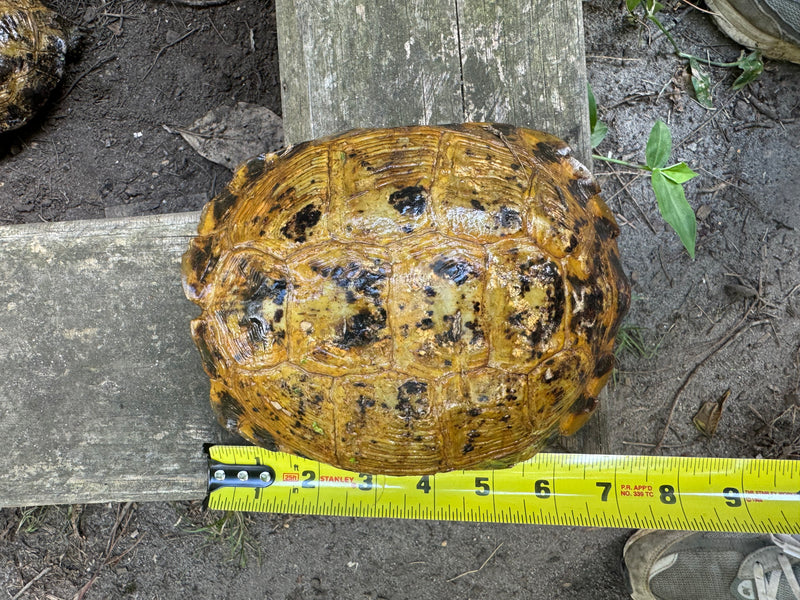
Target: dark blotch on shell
{"points": [[229, 409], [583, 188], [221, 204], [362, 329], [264, 438], [606, 230], [201, 257], [410, 200], [457, 271], [258, 329], [604, 365], [207, 356], [297, 227], [547, 153], [509, 218], [255, 167], [364, 403], [263, 288], [547, 275], [504, 128], [412, 401]]}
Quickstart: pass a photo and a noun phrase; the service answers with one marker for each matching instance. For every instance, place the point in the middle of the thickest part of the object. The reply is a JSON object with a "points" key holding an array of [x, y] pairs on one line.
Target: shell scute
{"points": [[385, 418], [487, 413], [525, 303], [338, 317], [437, 322], [381, 185]]}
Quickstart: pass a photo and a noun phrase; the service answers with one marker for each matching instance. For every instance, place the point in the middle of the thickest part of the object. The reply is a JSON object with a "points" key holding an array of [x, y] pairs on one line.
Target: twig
{"points": [[647, 445], [702, 10], [473, 571], [94, 67], [41, 574], [740, 327], [633, 199], [120, 525], [163, 48]]}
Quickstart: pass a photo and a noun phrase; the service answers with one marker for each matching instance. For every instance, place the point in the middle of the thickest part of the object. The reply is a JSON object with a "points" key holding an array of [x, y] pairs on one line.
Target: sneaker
{"points": [[772, 26], [681, 565]]}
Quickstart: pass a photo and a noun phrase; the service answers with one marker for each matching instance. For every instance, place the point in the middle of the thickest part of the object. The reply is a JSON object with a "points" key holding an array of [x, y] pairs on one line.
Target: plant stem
{"points": [[653, 19], [617, 161], [713, 63]]}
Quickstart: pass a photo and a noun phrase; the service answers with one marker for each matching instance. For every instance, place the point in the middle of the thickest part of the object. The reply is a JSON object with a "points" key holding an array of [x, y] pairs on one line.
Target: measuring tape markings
{"points": [[588, 490]]}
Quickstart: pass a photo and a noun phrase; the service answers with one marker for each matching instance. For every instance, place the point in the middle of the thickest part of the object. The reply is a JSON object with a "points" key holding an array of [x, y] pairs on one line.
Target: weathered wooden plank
{"points": [[102, 395], [523, 62], [375, 63], [351, 63]]}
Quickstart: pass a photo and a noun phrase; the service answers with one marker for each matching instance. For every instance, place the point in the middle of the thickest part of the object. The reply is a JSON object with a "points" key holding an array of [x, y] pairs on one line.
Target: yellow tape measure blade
{"points": [[701, 494]]}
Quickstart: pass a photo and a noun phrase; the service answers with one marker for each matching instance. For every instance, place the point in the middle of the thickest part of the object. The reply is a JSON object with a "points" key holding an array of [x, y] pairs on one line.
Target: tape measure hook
{"points": [[242, 476]]}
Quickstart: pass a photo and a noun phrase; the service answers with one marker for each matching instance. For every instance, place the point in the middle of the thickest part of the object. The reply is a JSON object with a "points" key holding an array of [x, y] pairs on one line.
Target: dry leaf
{"points": [[229, 135], [707, 418]]}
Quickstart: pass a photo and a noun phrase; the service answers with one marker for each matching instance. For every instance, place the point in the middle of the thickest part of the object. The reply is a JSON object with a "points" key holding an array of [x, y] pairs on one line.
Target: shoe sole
{"points": [[741, 30], [644, 555]]}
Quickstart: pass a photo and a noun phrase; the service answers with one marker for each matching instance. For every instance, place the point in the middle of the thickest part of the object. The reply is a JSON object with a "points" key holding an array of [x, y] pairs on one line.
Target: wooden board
{"points": [[102, 396], [360, 63]]}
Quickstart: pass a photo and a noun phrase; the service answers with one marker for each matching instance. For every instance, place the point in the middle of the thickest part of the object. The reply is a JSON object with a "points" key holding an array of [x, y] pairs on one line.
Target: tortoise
{"points": [[33, 51], [408, 300]]}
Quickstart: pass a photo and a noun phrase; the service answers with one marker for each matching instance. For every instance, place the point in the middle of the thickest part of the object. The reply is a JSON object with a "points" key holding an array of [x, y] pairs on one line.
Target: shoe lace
{"points": [[767, 587], [789, 544]]}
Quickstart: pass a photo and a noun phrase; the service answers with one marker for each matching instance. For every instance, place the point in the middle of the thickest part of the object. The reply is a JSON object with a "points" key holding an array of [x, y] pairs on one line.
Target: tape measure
{"points": [[654, 492]]}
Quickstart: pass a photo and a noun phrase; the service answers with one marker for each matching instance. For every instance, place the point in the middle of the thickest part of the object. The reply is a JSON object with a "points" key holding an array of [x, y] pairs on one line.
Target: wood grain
{"points": [[102, 395], [356, 63]]}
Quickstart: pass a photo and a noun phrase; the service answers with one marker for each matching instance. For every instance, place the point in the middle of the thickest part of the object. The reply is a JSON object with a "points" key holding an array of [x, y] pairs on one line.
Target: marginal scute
{"points": [[385, 418], [408, 300]]}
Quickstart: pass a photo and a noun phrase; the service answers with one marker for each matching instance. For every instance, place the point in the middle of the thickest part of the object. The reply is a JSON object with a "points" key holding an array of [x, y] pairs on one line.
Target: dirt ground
{"points": [[730, 319]]}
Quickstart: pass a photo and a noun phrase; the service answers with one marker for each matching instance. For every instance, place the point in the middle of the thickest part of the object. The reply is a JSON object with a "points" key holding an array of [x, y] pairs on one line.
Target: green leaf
{"points": [[675, 209], [599, 133], [653, 7], [659, 146], [592, 108], [679, 173], [701, 83], [751, 67], [632, 4], [598, 129]]}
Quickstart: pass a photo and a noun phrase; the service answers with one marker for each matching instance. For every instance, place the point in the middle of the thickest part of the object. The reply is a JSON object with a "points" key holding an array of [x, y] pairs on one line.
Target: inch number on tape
{"points": [[701, 494]]}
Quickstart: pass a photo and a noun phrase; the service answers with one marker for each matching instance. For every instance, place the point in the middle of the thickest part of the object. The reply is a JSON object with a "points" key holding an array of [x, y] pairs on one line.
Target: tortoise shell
{"points": [[33, 50], [408, 300]]}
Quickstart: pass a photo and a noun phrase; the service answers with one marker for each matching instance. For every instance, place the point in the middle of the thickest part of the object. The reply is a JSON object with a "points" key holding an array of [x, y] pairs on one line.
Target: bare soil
{"points": [[730, 319]]}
